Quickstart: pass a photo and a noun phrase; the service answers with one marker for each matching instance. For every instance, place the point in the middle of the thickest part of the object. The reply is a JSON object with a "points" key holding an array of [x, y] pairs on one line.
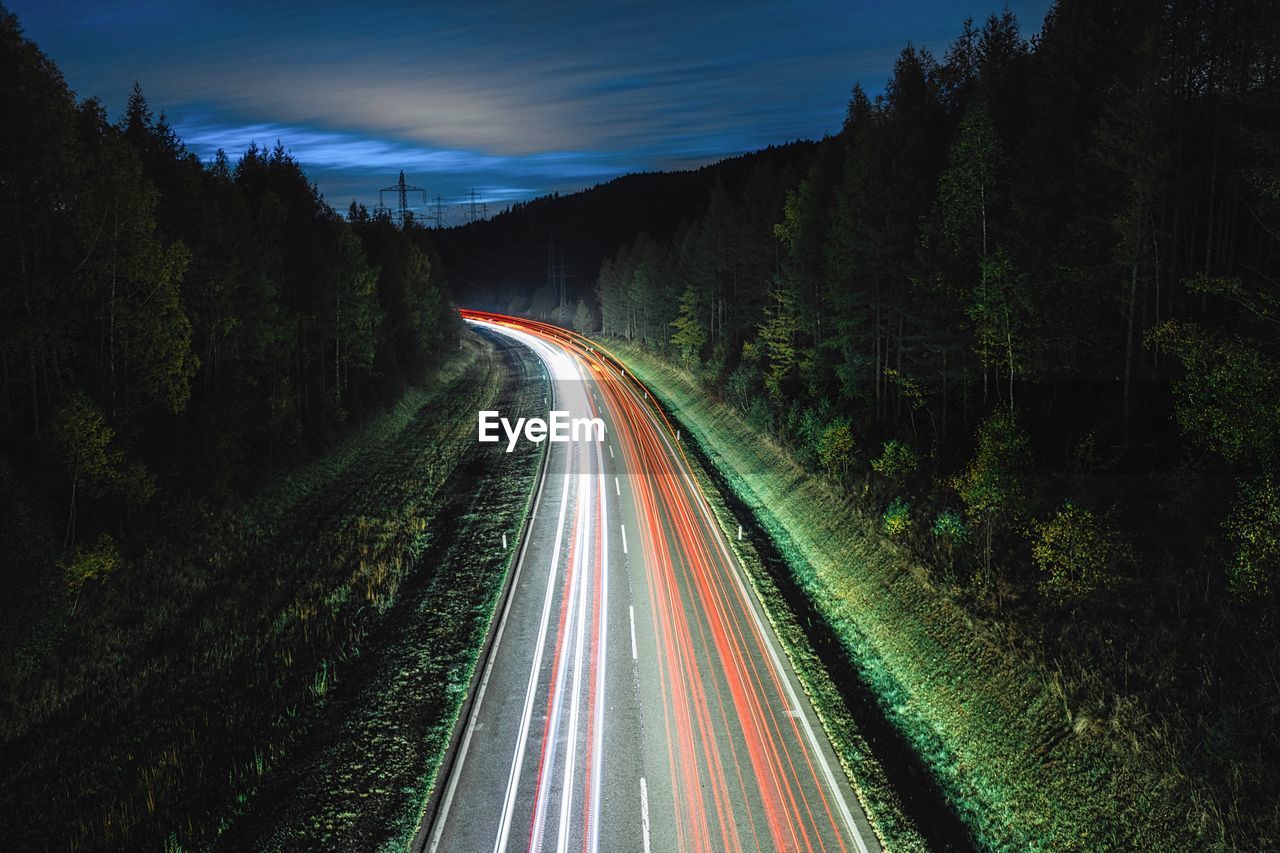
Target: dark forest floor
{"points": [[1041, 735], [226, 658]]}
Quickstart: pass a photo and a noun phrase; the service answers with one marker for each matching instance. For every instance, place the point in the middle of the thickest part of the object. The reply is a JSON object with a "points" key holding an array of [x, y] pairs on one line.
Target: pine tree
{"points": [[778, 339], [690, 336], [991, 485], [966, 190], [584, 319], [1001, 311]]}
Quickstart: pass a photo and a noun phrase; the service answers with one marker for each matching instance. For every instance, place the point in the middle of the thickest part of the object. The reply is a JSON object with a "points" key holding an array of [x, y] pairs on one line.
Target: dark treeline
{"points": [[1025, 304], [502, 264], [171, 328]]}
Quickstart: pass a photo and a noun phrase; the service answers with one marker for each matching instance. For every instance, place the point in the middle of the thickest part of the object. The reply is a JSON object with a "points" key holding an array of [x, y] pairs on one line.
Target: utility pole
{"points": [[401, 190], [558, 279], [564, 285], [437, 212], [555, 275], [551, 262], [476, 209]]}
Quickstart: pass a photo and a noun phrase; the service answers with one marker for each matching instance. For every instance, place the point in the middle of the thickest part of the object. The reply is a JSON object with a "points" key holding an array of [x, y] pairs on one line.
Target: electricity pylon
{"points": [[402, 214]]}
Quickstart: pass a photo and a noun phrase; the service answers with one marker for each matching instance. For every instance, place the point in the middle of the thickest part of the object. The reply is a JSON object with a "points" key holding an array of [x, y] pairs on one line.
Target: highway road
{"points": [[635, 697]]}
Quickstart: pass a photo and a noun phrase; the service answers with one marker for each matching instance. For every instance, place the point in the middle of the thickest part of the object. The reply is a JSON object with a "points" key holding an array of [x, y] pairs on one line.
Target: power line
{"points": [[402, 214], [557, 275], [476, 209]]}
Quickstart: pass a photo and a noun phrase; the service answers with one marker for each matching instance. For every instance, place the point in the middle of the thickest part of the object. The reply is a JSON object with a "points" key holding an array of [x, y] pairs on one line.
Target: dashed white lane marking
{"points": [[624, 538], [632, 611], [644, 813], [617, 489]]}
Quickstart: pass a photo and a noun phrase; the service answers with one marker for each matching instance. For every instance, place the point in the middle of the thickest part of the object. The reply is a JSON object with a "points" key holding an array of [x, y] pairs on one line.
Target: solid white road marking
{"points": [[632, 611], [484, 683], [705, 509], [753, 604], [769, 645], [574, 574], [571, 749], [644, 813], [597, 770], [517, 760]]}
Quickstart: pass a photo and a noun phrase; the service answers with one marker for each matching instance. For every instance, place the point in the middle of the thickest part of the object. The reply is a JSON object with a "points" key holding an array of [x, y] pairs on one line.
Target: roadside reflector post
{"points": [[677, 435], [504, 538], [739, 532]]}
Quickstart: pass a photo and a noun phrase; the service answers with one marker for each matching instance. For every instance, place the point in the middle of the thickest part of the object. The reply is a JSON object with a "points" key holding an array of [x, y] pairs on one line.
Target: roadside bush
{"points": [[1254, 530], [897, 518], [950, 531], [896, 461], [951, 528], [991, 485], [1077, 553], [808, 433], [835, 449], [759, 416], [743, 386], [92, 563]]}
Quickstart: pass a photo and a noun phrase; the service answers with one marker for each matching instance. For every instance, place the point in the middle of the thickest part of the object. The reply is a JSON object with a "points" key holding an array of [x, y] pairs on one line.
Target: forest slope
{"points": [[1022, 762], [180, 688]]}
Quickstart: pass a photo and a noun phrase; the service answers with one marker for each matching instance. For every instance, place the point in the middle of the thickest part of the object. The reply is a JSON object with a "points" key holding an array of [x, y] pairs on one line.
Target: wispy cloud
{"points": [[348, 151], [545, 93]]}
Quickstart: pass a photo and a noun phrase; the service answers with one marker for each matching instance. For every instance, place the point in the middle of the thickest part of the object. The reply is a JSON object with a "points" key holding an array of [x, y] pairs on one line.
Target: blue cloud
{"points": [[538, 96], [330, 150]]}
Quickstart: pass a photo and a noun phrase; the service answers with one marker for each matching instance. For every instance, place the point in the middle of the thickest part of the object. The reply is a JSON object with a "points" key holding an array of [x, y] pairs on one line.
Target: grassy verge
{"points": [[373, 751], [879, 799], [997, 728], [183, 680]]}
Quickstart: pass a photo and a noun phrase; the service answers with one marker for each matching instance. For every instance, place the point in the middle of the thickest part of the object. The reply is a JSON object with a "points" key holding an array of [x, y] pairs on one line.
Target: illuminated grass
{"points": [[864, 771], [207, 666], [1023, 768], [377, 746]]}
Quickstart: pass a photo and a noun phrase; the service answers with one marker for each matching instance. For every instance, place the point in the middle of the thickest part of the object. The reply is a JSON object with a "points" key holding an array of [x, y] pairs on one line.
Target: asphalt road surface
{"points": [[635, 698]]}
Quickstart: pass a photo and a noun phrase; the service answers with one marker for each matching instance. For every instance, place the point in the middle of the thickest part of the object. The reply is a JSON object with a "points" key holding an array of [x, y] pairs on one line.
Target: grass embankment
{"points": [[864, 769], [994, 724], [183, 680], [372, 756]]}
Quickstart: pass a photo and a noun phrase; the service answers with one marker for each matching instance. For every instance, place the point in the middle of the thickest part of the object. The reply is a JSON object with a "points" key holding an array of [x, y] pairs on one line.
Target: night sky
{"points": [[513, 99]]}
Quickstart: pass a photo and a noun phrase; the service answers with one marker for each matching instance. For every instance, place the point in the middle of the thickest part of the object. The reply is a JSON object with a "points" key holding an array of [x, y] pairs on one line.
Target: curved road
{"points": [[635, 698]]}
